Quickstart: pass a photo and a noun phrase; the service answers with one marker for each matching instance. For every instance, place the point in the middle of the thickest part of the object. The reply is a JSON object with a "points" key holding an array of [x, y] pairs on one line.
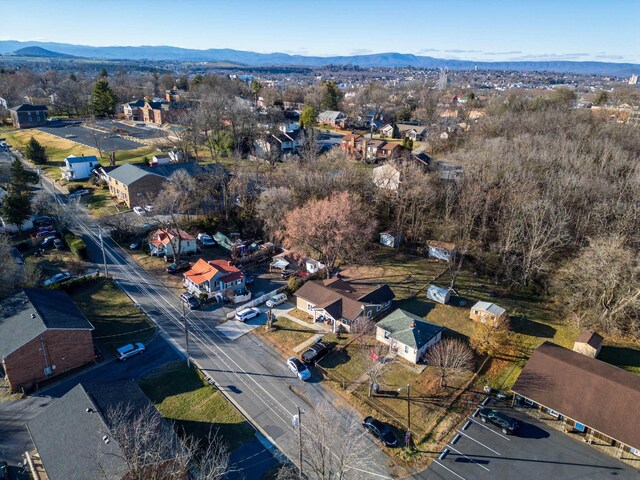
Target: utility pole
{"points": [[297, 423], [104, 254], [409, 443], [186, 333]]}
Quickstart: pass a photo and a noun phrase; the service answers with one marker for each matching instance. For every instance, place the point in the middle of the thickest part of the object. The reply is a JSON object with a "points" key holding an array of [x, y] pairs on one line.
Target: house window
{"points": [[475, 312], [378, 307], [635, 451], [530, 402], [386, 334], [346, 322], [553, 413], [369, 313], [406, 349], [310, 307], [387, 304]]}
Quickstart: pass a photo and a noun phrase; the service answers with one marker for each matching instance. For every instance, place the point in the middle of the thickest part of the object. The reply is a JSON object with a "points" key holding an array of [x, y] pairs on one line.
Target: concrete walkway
{"points": [[307, 343]]}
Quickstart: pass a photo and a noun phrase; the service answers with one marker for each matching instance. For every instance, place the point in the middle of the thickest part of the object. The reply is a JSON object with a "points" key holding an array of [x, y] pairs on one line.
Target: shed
{"points": [[441, 250], [485, 312], [437, 294], [588, 343], [391, 238]]}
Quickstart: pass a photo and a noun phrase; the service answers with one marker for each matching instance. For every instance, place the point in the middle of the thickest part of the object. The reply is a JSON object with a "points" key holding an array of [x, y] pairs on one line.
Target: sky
{"points": [[496, 30]]}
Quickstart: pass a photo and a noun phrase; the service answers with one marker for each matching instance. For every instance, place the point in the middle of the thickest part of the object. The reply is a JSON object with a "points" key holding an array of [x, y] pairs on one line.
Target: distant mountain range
{"points": [[391, 59], [38, 52]]}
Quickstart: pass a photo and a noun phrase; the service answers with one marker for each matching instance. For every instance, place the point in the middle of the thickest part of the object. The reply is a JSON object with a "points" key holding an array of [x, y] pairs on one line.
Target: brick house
{"points": [[27, 115], [133, 185], [42, 334], [132, 111], [156, 112], [343, 302]]}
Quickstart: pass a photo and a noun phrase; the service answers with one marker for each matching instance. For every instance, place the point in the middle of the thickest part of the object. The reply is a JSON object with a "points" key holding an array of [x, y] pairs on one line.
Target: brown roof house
{"points": [[42, 334], [486, 312], [343, 302], [80, 436], [588, 343], [589, 397]]}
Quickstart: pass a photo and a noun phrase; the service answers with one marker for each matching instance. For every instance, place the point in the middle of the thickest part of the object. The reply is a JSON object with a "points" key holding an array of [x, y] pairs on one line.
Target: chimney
{"points": [[413, 324]]}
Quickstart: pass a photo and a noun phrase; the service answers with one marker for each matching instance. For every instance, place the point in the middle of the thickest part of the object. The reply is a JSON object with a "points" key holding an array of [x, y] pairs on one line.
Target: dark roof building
{"points": [[42, 333], [27, 115], [592, 397]]}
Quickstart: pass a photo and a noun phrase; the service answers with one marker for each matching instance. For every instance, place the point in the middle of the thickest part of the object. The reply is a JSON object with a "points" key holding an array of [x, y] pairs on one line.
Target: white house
{"points": [[79, 168], [407, 334], [313, 266], [330, 117], [166, 242]]}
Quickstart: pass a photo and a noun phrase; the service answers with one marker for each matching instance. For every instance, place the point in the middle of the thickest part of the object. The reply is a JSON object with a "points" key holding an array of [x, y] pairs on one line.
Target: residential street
{"points": [[250, 373]]}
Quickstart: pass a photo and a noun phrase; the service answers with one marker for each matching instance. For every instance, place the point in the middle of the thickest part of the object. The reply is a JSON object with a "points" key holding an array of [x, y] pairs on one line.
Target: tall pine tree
{"points": [[35, 152], [103, 101]]}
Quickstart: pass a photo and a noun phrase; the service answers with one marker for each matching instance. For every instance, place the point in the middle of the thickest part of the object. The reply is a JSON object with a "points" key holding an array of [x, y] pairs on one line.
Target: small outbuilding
{"points": [[486, 312], [407, 334], [588, 343], [441, 250], [390, 238], [438, 294]]}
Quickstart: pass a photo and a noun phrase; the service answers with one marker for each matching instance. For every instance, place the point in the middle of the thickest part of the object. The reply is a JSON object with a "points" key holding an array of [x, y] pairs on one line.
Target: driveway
{"points": [[480, 451]]}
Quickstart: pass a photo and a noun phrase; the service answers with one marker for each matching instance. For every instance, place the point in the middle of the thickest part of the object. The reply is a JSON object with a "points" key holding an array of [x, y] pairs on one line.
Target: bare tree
{"points": [[8, 268], [489, 338], [272, 207], [451, 358]]}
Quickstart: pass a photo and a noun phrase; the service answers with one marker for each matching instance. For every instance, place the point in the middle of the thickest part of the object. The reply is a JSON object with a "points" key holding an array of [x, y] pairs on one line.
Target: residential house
{"points": [[42, 334], [213, 277], [352, 144], [172, 95], [390, 151], [588, 397], [407, 334], [157, 112], [391, 238], [279, 143], [132, 110], [387, 130], [343, 302], [284, 261], [166, 242], [588, 343], [331, 117], [387, 177], [77, 436], [441, 250], [413, 130], [486, 312], [133, 185], [79, 168], [27, 115]]}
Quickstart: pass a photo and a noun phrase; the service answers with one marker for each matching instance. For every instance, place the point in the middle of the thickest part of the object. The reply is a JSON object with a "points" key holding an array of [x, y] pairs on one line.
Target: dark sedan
{"points": [[505, 422], [179, 266], [381, 430]]}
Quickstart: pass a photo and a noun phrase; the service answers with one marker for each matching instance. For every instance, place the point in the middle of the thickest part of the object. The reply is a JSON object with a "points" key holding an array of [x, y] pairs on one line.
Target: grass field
{"points": [[197, 408], [286, 334], [116, 321]]}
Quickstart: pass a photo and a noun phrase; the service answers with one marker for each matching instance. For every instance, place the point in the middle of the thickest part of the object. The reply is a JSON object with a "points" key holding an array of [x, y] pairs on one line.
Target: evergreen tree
{"points": [[20, 178], [35, 152], [331, 96], [103, 101], [308, 117], [102, 73], [16, 208]]}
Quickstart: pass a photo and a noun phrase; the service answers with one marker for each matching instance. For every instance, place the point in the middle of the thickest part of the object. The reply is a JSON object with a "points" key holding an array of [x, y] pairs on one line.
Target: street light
{"points": [[408, 442]]}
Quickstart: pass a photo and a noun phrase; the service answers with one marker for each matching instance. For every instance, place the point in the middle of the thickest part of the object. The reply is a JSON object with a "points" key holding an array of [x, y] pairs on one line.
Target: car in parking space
{"points": [[58, 244], [43, 230], [149, 208], [138, 211], [45, 233], [247, 314], [129, 351], [179, 266], [78, 193], [284, 274], [315, 352], [380, 430], [299, 368], [57, 278], [190, 300], [507, 424], [136, 244], [48, 241], [42, 220], [276, 300], [206, 240]]}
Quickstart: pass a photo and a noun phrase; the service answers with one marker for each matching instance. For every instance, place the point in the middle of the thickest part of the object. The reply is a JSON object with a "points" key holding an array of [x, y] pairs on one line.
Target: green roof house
{"points": [[407, 334]]}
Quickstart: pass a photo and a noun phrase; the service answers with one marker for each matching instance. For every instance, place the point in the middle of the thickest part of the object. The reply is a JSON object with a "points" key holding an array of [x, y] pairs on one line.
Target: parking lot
{"points": [[481, 451]]}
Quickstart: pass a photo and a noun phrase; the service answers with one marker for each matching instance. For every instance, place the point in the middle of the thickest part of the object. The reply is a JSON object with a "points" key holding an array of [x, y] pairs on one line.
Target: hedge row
{"points": [[76, 245]]}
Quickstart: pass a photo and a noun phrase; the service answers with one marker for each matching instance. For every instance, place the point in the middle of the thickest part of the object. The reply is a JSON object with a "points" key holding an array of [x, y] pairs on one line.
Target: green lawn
{"points": [[350, 362], [286, 334], [116, 321], [197, 408]]}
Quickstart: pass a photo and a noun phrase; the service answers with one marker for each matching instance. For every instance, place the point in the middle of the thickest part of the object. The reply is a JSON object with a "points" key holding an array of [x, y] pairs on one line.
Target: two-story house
{"points": [[27, 115], [343, 302], [131, 110], [133, 185], [79, 168], [168, 242], [213, 277]]}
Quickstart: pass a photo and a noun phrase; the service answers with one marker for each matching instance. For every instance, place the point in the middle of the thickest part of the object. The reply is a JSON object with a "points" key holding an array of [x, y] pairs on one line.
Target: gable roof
{"points": [[128, 173], [492, 308], [409, 329], [584, 389], [72, 159], [27, 107], [31, 312], [164, 236], [329, 115], [203, 271]]}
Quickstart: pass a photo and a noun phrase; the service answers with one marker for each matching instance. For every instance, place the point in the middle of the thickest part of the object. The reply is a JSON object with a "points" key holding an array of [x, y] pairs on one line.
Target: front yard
{"points": [[285, 334], [116, 320], [195, 407]]}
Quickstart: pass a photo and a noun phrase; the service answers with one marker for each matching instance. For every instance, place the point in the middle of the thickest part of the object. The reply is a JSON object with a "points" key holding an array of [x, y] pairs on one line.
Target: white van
{"points": [[277, 300]]}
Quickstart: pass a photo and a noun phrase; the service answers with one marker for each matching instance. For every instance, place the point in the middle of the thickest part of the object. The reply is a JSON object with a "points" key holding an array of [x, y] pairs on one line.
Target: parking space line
{"points": [[490, 429], [469, 458], [478, 442], [449, 470]]}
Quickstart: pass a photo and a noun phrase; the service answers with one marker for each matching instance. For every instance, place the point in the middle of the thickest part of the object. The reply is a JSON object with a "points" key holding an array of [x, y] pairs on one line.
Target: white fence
{"points": [[256, 301]]}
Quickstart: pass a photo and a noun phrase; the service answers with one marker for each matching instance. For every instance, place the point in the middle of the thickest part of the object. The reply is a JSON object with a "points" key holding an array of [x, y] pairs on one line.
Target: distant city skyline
{"points": [[456, 29]]}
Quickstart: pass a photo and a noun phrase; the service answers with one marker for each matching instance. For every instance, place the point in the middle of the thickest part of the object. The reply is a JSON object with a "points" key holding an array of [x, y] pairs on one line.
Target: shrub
{"points": [[76, 245], [294, 283]]}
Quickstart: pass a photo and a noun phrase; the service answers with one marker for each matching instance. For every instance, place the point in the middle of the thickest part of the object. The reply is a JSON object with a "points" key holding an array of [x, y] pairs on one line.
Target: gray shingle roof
{"points": [[128, 174], [399, 325], [90, 158], [31, 312], [489, 307]]}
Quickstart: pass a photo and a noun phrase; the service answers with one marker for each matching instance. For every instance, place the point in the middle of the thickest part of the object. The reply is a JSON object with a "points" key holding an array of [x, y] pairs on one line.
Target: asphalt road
{"points": [[480, 451], [248, 372]]}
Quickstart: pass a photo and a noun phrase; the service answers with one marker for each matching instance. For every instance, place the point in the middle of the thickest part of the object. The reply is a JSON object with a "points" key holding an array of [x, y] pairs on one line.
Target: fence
{"points": [[256, 301]]}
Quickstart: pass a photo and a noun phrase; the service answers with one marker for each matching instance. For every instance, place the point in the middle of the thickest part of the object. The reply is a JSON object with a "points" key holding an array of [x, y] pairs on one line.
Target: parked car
{"points": [[48, 241], [287, 273], [58, 244], [247, 314], [149, 208], [380, 430], [248, 280], [4, 471], [179, 266], [206, 240], [78, 193], [138, 210], [135, 245], [42, 220], [315, 353], [190, 300], [506, 423], [45, 234], [44, 228], [129, 351], [57, 278], [299, 368], [276, 300]]}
